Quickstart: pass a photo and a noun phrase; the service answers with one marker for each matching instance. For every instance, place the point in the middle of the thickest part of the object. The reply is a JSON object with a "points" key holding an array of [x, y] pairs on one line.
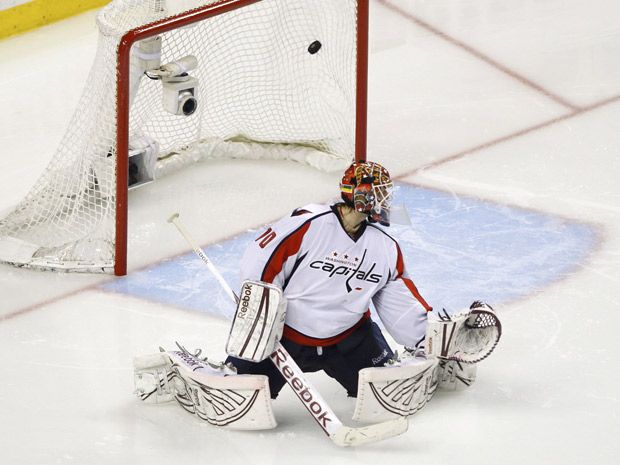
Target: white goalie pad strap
{"points": [[467, 337], [153, 378], [397, 390], [214, 393], [455, 376], [258, 322]]}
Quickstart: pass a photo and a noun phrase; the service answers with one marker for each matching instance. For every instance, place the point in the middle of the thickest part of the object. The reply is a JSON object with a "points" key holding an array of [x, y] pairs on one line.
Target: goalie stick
{"points": [[311, 399]]}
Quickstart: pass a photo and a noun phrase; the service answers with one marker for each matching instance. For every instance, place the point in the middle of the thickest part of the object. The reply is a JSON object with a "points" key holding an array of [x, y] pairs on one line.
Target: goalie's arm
{"points": [[401, 307], [402, 314], [272, 256]]}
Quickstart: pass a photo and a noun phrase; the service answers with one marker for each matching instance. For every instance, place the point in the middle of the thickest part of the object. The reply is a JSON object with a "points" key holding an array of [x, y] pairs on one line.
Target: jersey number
{"points": [[265, 238]]}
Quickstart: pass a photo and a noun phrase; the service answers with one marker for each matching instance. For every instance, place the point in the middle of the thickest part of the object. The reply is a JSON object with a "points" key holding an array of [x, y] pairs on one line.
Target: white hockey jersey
{"points": [[330, 278]]}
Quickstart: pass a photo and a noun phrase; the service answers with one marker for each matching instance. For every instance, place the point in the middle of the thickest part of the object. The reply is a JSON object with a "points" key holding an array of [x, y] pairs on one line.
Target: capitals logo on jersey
{"points": [[342, 265]]}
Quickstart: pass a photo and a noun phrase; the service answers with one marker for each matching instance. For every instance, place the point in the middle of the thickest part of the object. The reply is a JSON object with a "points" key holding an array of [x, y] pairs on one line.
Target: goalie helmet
{"points": [[367, 187]]}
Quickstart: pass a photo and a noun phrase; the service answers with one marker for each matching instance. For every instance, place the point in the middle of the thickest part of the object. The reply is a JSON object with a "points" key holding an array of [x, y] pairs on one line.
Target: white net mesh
{"points": [[261, 93]]}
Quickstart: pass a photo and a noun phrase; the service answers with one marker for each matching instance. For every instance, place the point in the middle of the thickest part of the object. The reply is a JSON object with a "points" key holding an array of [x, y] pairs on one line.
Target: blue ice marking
{"points": [[458, 250]]}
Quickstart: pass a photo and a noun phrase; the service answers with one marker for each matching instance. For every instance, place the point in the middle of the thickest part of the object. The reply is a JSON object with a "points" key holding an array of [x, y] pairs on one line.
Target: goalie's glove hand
{"points": [[468, 336]]}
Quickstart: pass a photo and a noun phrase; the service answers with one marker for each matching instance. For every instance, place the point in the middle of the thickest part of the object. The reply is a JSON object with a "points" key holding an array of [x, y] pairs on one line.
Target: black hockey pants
{"points": [[365, 347]]}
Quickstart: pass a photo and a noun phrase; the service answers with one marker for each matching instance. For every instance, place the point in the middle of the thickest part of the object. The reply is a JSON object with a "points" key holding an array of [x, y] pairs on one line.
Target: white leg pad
{"points": [[214, 393], [397, 390]]}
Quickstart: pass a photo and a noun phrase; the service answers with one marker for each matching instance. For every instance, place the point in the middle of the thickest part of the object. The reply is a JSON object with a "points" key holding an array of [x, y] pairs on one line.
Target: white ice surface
{"points": [[439, 116]]}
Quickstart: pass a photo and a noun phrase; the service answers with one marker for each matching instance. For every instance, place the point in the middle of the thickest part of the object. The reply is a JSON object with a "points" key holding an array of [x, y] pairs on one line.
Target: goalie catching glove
{"points": [[466, 337]]}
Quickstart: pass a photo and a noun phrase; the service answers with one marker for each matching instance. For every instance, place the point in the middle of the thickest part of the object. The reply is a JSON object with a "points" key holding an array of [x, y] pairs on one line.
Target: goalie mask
{"points": [[367, 187]]}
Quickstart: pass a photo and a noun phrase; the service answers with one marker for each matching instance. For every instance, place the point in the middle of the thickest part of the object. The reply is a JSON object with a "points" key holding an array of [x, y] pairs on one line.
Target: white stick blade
{"points": [[346, 436]]}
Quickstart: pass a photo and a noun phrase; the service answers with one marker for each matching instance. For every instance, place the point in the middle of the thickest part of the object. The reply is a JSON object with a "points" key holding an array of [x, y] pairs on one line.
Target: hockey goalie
{"points": [[310, 280]]}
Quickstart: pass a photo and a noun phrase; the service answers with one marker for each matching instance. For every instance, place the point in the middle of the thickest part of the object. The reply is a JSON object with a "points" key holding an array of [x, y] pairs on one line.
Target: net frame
{"points": [[184, 19]]}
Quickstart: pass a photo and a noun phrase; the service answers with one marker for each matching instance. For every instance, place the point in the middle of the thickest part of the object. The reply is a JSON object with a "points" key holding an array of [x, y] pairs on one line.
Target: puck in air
{"points": [[314, 47]]}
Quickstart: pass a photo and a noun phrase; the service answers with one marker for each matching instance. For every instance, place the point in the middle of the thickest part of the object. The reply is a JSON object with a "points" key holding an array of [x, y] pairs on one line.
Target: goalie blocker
{"points": [[258, 322]]}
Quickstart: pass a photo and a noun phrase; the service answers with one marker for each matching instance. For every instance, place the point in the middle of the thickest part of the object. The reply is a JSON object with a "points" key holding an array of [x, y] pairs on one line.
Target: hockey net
{"points": [[276, 79]]}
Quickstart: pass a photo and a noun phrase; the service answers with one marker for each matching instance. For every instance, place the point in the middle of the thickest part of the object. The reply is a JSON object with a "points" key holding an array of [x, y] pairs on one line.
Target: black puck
{"points": [[314, 47]]}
